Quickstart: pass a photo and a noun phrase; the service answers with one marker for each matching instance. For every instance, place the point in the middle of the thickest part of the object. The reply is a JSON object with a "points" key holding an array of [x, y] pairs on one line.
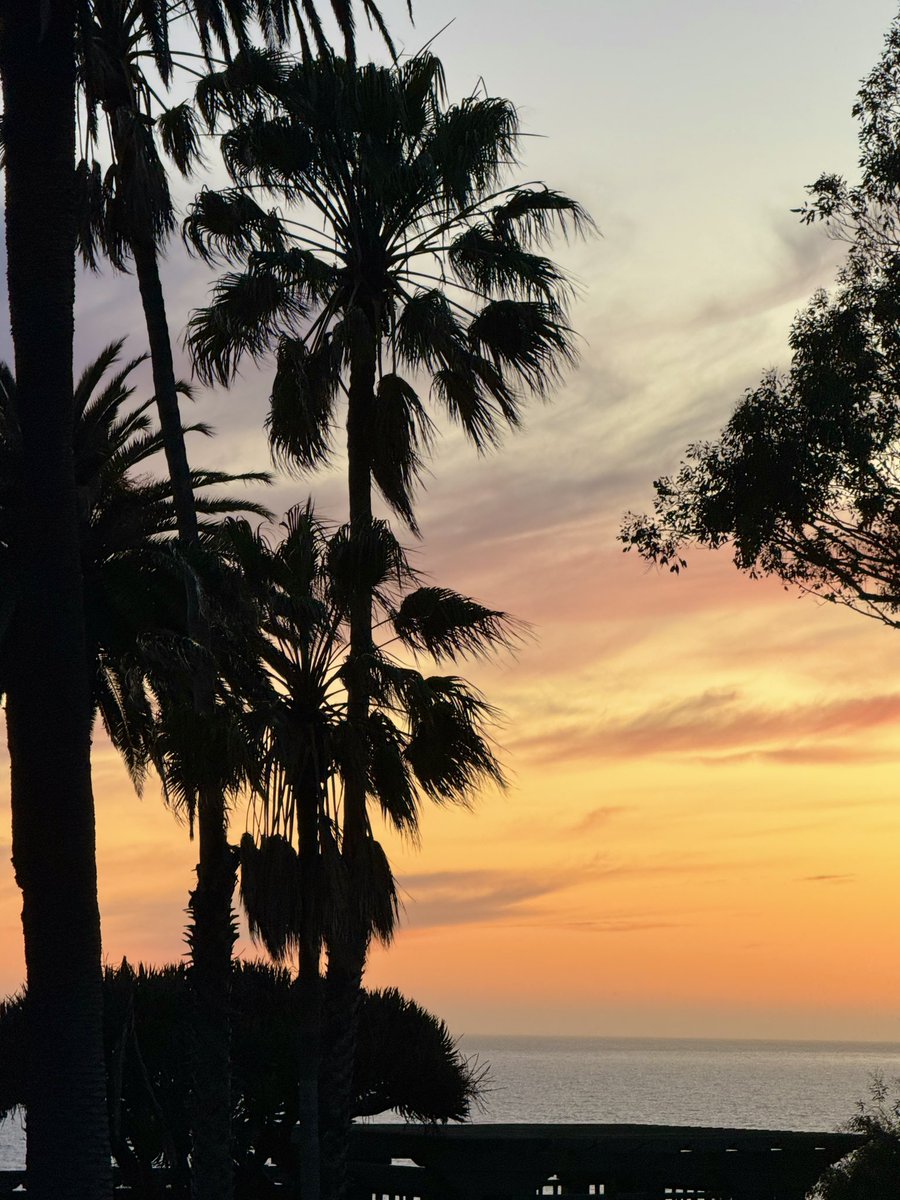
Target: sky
{"points": [[701, 835]]}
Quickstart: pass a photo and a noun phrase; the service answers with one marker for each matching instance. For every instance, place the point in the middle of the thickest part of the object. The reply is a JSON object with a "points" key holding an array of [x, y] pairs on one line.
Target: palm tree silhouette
{"points": [[138, 642], [424, 736], [411, 256], [127, 213]]}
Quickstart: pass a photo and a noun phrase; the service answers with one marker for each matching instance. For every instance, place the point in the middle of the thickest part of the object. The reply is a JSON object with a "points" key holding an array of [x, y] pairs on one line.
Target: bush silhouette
{"points": [[406, 1061]]}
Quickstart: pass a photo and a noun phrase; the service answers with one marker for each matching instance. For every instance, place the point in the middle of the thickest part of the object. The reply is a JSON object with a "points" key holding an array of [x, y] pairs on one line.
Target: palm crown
{"points": [[409, 237], [424, 735], [134, 574]]}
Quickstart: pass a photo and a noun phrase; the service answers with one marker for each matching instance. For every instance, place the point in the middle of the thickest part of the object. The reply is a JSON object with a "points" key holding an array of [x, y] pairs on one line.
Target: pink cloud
{"points": [[715, 722]]}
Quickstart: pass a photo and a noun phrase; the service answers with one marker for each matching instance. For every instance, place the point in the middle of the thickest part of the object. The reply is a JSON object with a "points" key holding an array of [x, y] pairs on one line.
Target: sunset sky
{"points": [[701, 836]]}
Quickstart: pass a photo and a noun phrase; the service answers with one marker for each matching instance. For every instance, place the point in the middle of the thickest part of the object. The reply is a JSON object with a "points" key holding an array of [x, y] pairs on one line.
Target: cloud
{"points": [[622, 925], [598, 817], [828, 879], [492, 896], [476, 897], [715, 722], [802, 259]]}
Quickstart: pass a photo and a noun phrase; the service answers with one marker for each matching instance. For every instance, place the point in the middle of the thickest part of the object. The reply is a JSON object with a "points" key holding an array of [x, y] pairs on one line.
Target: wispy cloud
{"points": [[492, 896], [716, 722]]}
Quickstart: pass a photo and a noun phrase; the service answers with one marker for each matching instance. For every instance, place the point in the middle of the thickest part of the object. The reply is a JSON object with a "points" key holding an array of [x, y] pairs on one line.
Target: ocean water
{"points": [[734, 1084]]}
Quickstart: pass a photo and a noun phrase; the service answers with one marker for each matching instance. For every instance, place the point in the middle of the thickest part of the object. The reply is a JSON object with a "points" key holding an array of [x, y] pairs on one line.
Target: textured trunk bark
{"points": [[308, 987], [48, 698], [347, 959], [146, 266], [310, 1020], [346, 964], [211, 936]]}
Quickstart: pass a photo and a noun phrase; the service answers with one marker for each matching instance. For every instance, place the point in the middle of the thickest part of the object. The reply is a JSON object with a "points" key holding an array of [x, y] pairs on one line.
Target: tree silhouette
{"points": [[409, 256], [407, 1061], [130, 213], [804, 481], [425, 737], [872, 1171]]}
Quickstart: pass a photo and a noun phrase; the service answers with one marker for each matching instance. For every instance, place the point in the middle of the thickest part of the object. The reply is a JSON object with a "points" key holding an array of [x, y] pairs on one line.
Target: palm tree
{"points": [[134, 576], [128, 213], [46, 670], [137, 638], [411, 256], [407, 1061], [139, 649], [424, 736]]}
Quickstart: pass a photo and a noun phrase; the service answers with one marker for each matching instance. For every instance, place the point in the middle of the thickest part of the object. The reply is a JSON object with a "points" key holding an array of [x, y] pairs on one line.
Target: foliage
{"points": [[406, 1061], [405, 233], [134, 574], [425, 735], [127, 61], [873, 1171], [804, 481]]}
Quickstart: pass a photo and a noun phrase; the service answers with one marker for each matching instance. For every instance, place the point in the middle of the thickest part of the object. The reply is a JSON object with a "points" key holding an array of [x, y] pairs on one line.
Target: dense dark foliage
{"points": [[406, 1061], [873, 1171], [804, 481]]}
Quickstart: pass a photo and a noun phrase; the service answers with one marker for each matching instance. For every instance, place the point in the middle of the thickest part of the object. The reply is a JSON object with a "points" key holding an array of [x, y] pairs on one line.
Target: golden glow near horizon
{"points": [[702, 831]]}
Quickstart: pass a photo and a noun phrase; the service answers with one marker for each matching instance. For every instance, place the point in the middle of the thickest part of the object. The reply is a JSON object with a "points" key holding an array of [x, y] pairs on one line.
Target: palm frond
{"points": [[254, 76], [374, 891], [536, 213], [180, 137], [472, 146], [276, 150], [529, 338], [302, 401], [248, 312], [478, 400], [490, 265], [272, 894], [448, 749], [229, 225], [364, 558], [391, 783], [428, 333], [447, 625], [402, 437]]}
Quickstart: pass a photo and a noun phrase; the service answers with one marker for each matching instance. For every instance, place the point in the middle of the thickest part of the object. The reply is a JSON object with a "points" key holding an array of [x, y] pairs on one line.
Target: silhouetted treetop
{"points": [[804, 480]]}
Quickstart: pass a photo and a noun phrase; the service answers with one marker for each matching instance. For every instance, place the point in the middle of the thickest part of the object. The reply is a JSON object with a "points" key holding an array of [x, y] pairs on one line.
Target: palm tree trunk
{"points": [[343, 983], [212, 936], [309, 986], [47, 678], [347, 958], [146, 266]]}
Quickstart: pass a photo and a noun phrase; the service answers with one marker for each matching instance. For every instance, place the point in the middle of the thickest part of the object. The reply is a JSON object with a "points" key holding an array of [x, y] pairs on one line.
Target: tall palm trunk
{"points": [[309, 998], [212, 935], [48, 689], [146, 266], [347, 956]]}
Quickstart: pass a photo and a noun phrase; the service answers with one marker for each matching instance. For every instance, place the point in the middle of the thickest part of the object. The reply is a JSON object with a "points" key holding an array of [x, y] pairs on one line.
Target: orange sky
{"points": [[701, 832]]}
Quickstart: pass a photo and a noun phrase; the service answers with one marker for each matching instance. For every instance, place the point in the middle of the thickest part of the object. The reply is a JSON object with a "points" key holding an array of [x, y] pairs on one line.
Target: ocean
{"points": [[736, 1084]]}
